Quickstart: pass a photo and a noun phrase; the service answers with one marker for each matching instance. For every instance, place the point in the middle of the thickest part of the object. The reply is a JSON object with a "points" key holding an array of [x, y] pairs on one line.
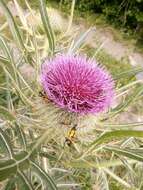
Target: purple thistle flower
{"points": [[77, 84]]}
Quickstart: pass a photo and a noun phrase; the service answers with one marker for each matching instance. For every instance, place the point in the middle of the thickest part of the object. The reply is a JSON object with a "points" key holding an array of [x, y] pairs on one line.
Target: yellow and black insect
{"points": [[71, 136]]}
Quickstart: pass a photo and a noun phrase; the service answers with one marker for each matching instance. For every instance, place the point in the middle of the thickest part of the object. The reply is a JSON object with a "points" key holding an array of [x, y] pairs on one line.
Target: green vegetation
{"points": [[124, 13], [33, 153], [126, 16]]}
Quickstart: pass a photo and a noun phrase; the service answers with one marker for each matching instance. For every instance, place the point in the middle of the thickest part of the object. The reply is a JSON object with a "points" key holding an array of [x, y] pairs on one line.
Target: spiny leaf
{"points": [[78, 42], [128, 100], [10, 184], [71, 16], [117, 178], [6, 142], [21, 136], [125, 152], [23, 182], [122, 125], [47, 155], [9, 167], [100, 165], [109, 136], [49, 182], [10, 65], [47, 26], [130, 72], [6, 113], [68, 185], [102, 180], [4, 60], [22, 96], [13, 26]]}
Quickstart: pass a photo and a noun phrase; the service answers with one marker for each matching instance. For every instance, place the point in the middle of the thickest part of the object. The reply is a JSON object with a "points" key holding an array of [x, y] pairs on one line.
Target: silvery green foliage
{"points": [[33, 152]]}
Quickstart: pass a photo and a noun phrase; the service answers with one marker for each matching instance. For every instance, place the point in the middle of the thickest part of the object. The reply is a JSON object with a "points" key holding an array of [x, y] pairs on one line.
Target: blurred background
{"points": [[108, 154]]}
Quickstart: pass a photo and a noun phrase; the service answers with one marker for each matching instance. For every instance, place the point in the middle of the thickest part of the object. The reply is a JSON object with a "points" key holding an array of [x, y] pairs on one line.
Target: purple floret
{"points": [[77, 84]]}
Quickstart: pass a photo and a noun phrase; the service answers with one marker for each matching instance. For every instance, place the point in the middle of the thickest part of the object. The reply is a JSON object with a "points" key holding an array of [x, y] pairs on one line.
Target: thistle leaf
{"points": [[109, 136], [10, 184], [79, 41], [6, 142], [49, 182], [47, 26], [125, 152], [23, 182], [13, 26], [8, 168]]}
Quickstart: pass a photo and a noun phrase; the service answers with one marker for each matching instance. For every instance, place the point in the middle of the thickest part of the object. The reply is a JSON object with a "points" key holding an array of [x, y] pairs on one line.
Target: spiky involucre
{"points": [[77, 84]]}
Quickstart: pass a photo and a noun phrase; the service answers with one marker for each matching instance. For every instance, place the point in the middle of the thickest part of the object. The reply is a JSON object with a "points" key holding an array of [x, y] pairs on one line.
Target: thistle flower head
{"points": [[77, 84]]}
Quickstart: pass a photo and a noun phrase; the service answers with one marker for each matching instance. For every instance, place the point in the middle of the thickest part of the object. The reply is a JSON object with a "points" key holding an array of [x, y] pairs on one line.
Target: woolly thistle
{"points": [[77, 84], [78, 89]]}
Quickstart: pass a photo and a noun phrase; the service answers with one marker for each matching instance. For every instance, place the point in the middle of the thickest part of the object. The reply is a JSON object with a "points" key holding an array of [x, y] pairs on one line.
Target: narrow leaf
{"points": [[109, 136], [126, 153], [13, 26], [122, 125], [6, 114], [102, 180], [79, 41], [6, 142], [23, 182], [10, 184], [71, 16], [49, 182], [100, 165], [21, 136], [128, 100], [9, 167], [130, 72], [4, 59], [47, 26]]}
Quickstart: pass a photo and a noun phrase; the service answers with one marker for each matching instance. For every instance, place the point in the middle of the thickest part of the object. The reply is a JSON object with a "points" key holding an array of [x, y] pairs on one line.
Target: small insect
{"points": [[43, 95], [71, 136]]}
